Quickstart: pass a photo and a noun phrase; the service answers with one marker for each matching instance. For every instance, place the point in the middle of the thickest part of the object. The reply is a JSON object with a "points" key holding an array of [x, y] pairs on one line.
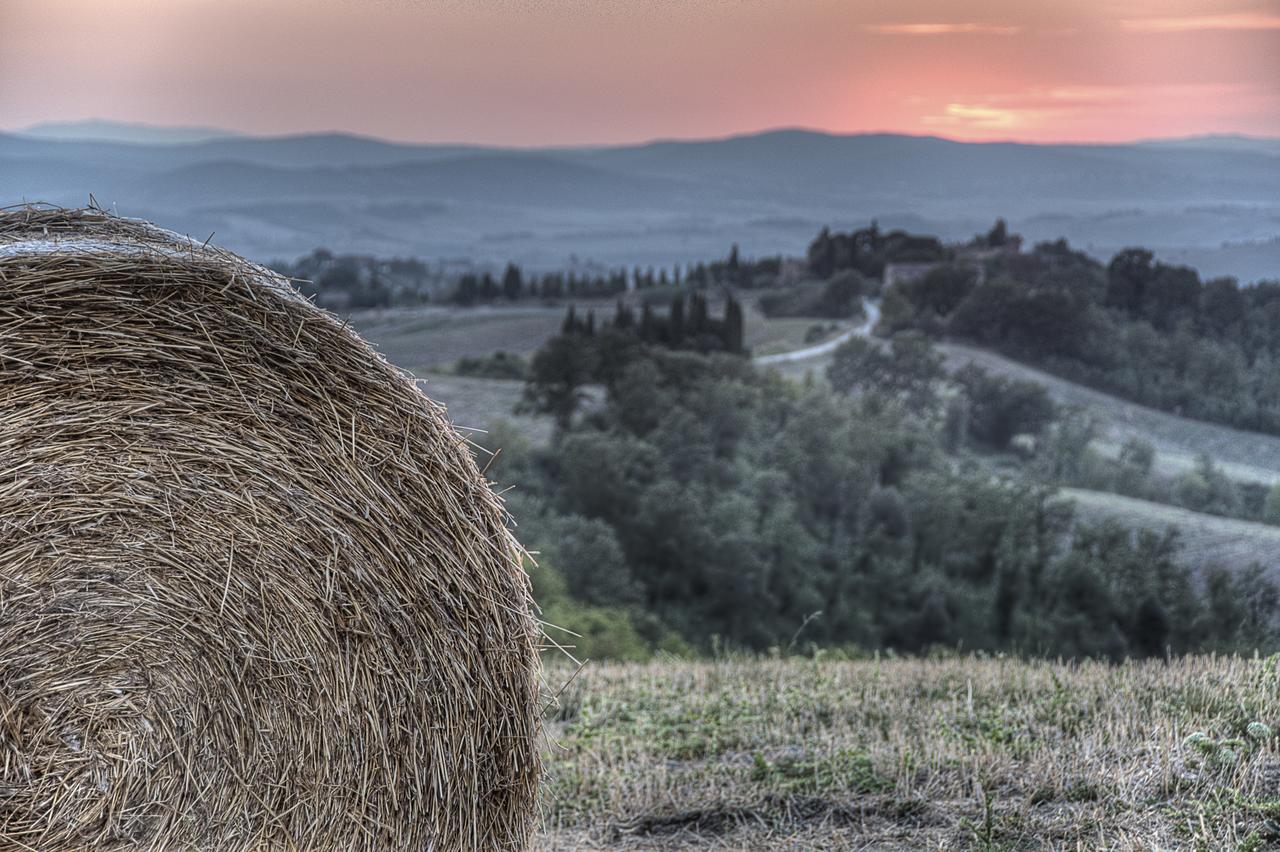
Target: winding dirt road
{"points": [[827, 347]]}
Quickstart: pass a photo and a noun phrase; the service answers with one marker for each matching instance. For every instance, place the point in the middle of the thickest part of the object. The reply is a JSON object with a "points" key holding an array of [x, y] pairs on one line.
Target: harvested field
{"points": [[423, 339], [475, 404], [961, 753]]}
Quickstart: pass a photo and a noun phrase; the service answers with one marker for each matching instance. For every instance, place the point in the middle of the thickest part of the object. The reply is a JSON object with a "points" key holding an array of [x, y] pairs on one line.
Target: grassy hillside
{"points": [[1178, 440], [1206, 539], [1251, 455], [914, 754]]}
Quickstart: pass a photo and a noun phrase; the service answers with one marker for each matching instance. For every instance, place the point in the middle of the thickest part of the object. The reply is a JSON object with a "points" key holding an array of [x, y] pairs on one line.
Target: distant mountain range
{"points": [[1210, 201]]}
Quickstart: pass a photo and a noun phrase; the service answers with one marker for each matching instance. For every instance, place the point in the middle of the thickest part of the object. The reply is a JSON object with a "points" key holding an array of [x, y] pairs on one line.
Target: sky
{"points": [[548, 72]]}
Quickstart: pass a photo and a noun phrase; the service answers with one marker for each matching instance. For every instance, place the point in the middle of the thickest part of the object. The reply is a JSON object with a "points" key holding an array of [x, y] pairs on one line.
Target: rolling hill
{"points": [[1213, 200]]}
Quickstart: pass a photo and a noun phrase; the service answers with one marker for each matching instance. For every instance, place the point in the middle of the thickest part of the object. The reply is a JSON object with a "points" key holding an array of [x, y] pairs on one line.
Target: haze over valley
{"points": [[1211, 202]]}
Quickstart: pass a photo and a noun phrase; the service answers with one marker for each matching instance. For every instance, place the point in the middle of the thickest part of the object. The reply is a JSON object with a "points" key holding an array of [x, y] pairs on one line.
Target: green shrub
{"points": [[499, 365]]}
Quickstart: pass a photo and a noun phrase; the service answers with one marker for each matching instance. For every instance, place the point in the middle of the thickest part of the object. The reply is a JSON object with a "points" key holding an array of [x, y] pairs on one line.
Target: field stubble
{"points": [[960, 753]]}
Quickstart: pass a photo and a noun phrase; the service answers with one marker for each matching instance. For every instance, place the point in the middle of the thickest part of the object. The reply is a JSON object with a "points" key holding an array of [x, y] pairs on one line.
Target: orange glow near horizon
{"points": [[531, 72]]}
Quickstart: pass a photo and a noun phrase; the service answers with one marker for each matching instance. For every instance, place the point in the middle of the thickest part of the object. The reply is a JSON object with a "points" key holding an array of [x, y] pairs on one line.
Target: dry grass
{"points": [[475, 404], [915, 754], [425, 339], [767, 336], [254, 592]]}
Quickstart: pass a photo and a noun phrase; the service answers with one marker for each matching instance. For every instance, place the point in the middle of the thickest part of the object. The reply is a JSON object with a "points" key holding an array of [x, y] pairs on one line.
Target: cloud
{"points": [[981, 117], [1041, 107], [942, 29], [1102, 95], [1193, 23]]}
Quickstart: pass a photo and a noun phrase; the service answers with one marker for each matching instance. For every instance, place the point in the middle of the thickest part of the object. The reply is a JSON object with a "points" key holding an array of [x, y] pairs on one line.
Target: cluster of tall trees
{"points": [[686, 324], [1141, 329], [702, 497], [867, 250], [583, 354]]}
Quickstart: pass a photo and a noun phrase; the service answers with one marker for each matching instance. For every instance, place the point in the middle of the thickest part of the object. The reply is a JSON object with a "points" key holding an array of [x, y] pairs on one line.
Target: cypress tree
{"points": [[512, 282], [734, 330], [647, 324], [698, 318], [675, 324]]}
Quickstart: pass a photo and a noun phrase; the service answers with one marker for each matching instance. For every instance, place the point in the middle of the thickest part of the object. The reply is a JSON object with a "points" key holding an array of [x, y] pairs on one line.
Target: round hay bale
{"points": [[254, 592]]}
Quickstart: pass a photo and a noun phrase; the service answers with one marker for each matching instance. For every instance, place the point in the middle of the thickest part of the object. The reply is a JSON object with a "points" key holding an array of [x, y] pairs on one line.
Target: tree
{"points": [[675, 323], [1172, 296], [1129, 275], [570, 324], [624, 317], [512, 282], [734, 327], [592, 562], [1150, 628], [907, 373], [941, 290], [822, 255], [998, 235], [468, 291], [557, 375], [1222, 308], [1001, 408], [699, 316], [841, 296]]}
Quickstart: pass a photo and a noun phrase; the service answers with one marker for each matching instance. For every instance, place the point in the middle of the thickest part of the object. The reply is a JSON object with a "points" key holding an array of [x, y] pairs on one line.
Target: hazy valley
{"points": [[1208, 202]]}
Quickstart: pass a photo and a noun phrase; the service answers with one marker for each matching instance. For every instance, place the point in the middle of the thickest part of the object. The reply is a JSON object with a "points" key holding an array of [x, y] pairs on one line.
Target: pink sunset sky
{"points": [[532, 72]]}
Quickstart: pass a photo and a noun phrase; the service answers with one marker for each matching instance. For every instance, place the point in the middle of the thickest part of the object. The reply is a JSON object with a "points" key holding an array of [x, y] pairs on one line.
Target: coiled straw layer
{"points": [[254, 592]]}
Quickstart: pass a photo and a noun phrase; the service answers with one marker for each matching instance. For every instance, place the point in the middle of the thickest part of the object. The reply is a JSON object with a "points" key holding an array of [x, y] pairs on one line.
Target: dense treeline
{"points": [[515, 284], [1141, 329], [705, 498], [363, 281]]}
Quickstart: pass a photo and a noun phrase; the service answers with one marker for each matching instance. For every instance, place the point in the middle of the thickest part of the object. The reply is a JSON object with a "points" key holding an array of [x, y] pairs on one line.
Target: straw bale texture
{"points": [[254, 592]]}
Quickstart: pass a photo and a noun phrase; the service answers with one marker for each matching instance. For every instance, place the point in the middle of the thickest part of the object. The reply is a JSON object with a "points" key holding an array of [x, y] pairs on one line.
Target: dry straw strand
{"points": [[254, 592]]}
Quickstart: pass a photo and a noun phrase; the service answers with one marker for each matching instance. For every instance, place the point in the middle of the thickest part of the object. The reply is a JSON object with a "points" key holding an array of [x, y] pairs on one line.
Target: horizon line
{"points": [[234, 133]]}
